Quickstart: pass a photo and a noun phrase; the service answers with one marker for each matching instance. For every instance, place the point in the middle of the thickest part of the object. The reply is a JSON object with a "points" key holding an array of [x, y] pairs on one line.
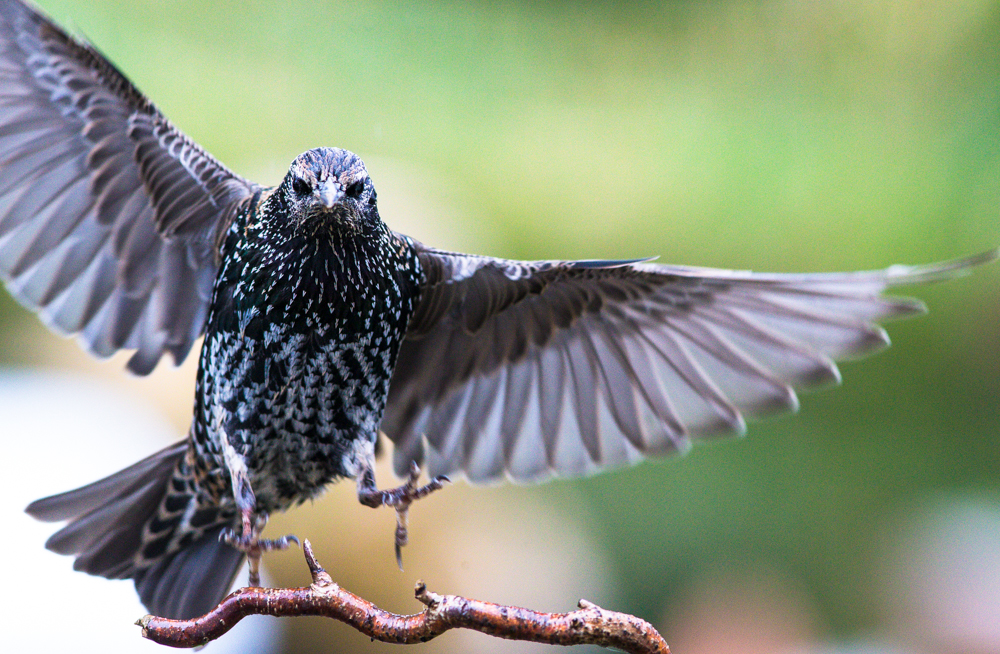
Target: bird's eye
{"points": [[300, 186], [355, 189]]}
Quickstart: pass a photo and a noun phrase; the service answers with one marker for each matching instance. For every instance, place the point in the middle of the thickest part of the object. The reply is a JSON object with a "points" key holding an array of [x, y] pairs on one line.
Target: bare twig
{"points": [[588, 625]]}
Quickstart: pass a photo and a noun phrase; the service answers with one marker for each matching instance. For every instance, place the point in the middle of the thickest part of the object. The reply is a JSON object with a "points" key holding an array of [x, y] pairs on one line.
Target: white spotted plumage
{"points": [[322, 326]]}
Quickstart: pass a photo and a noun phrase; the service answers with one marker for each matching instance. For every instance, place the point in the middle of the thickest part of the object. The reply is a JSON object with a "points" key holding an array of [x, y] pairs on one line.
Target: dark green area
{"points": [[783, 136]]}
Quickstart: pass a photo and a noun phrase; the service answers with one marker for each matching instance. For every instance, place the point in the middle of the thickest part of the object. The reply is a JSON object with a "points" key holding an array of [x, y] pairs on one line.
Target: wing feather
{"points": [[533, 369], [108, 213]]}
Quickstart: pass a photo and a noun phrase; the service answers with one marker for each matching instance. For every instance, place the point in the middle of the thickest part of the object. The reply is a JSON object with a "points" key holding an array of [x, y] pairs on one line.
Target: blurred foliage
{"points": [[771, 135]]}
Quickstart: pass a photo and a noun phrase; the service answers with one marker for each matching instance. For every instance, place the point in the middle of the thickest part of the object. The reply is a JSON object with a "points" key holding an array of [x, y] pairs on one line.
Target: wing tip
{"points": [[871, 341], [783, 402], [824, 374], [584, 264], [47, 509], [904, 307], [942, 271]]}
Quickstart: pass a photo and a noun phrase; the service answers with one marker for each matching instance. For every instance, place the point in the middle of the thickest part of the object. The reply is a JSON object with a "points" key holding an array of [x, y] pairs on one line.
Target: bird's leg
{"points": [[248, 542], [398, 498]]}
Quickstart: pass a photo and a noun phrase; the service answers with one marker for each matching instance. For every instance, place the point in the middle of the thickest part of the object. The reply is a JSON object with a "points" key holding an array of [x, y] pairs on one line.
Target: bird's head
{"points": [[330, 187]]}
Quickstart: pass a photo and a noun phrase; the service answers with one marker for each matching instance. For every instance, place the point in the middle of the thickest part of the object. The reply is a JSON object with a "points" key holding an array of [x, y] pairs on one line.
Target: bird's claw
{"points": [[250, 543], [400, 499], [402, 496], [250, 546]]}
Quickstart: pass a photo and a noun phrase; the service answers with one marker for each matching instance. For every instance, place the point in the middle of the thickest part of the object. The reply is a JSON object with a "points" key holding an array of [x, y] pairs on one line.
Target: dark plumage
{"points": [[322, 326]]}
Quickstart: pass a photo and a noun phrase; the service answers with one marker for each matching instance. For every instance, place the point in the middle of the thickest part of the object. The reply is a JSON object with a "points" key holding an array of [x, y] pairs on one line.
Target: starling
{"points": [[323, 327]]}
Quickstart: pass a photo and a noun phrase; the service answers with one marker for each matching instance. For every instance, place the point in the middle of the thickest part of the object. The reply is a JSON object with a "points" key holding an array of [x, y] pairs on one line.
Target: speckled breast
{"points": [[293, 402], [296, 366]]}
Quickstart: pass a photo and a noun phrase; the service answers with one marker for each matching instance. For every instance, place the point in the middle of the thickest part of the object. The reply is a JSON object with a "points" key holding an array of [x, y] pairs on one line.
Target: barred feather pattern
{"points": [[108, 213], [151, 523], [300, 345], [526, 370], [308, 313], [322, 326]]}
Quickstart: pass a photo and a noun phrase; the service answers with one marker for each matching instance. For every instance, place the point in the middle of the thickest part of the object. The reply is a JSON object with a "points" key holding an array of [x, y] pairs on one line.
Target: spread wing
{"points": [[532, 369], [108, 214]]}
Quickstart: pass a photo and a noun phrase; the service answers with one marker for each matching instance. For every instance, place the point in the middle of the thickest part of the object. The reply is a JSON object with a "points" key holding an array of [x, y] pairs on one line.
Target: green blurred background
{"points": [[777, 136]]}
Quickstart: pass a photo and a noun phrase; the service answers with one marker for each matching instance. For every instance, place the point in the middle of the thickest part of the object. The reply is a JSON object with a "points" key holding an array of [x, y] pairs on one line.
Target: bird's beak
{"points": [[329, 194]]}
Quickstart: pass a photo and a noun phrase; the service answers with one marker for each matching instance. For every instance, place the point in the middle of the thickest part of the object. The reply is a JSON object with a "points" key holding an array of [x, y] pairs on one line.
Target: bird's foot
{"points": [[250, 543], [399, 498]]}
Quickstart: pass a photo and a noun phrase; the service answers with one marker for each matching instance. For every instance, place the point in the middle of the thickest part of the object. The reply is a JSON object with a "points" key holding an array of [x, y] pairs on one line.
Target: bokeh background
{"points": [[781, 136]]}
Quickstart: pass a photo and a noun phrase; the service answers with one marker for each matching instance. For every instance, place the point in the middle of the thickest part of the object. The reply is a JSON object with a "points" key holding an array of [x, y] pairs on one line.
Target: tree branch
{"points": [[588, 625]]}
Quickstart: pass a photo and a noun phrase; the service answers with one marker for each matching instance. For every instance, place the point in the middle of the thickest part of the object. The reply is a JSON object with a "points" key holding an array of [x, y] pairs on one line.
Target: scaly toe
{"points": [[277, 544]]}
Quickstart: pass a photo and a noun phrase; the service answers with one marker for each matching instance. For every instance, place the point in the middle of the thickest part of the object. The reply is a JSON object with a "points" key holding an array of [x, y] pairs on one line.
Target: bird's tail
{"points": [[146, 523]]}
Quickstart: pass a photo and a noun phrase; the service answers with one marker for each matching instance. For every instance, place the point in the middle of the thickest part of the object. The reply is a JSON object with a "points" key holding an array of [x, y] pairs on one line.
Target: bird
{"points": [[322, 328]]}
